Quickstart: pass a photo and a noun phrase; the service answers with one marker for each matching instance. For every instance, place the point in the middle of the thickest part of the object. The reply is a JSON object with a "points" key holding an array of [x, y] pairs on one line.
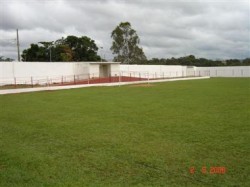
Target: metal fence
{"points": [[221, 72], [92, 78], [121, 76]]}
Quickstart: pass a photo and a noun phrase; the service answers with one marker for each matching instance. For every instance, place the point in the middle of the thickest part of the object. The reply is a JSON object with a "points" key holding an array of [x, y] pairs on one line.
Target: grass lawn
{"points": [[129, 135]]}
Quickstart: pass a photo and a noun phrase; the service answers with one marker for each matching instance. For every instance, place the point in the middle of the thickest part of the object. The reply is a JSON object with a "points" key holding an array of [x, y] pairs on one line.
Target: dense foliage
{"points": [[71, 48]]}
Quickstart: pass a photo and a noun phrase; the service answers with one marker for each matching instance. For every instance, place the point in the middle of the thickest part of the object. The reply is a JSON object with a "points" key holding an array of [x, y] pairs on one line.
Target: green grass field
{"points": [[128, 136]]}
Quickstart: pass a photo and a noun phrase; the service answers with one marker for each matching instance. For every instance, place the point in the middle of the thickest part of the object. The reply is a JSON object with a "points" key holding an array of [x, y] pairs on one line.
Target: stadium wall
{"points": [[35, 69], [155, 70], [23, 72], [228, 71]]}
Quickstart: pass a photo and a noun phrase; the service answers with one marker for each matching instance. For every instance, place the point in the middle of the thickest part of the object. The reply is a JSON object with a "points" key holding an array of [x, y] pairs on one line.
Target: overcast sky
{"points": [[215, 29]]}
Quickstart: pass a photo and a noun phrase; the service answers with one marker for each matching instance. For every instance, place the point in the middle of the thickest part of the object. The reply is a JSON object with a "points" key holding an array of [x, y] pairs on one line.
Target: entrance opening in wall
{"points": [[104, 70]]}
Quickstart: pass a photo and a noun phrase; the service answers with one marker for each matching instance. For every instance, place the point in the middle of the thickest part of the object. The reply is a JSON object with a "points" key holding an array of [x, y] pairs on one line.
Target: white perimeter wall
{"points": [[154, 71], [229, 71], [41, 71], [36, 69], [23, 71], [94, 70], [177, 71], [115, 69], [49, 72]]}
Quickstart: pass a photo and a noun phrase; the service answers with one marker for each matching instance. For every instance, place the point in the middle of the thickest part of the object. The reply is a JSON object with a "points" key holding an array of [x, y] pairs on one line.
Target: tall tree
{"points": [[125, 45]]}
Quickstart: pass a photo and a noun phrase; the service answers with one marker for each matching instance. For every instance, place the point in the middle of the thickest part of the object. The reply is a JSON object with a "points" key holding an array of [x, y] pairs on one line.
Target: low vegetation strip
{"points": [[186, 133]]}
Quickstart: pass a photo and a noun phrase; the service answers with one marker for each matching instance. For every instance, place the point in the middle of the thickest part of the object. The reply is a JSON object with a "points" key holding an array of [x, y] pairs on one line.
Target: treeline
{"points": [[4, 59], [71, 48], [191, 60]]}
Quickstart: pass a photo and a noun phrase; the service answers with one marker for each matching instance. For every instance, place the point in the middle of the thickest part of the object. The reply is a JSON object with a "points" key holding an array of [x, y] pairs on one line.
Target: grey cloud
{"points": [[209, 28]]}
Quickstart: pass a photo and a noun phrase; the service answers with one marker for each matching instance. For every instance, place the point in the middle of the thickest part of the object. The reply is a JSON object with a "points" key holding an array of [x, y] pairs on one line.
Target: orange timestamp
{"points": [[208, 170]]}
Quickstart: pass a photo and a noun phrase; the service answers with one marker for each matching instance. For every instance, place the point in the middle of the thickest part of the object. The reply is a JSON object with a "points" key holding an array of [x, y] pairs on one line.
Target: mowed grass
{"points": [[128, 136]]}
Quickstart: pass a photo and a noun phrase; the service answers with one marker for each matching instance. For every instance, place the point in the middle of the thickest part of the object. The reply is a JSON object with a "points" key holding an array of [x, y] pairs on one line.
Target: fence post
{"points": [[74, 79], [242, 72], [62, 80], [31, 80], [88, 77], [216, 72], [233, 72], [15, 81], [119, 79], [148, 77]]}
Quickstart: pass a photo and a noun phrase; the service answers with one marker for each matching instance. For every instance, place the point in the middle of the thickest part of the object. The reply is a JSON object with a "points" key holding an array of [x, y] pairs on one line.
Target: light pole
{"points": [[50, 46], [18, 46], [101, 51], [50, 54]]}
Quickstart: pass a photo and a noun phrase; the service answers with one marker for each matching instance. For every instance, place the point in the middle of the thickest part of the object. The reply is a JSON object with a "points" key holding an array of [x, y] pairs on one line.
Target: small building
{"points": [[104, 69]]}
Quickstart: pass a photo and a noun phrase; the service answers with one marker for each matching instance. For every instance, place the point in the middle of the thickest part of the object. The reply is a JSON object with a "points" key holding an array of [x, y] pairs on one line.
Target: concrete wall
{"points": [[176, 71], [23, 72], [115, 69], [153, 71], [35, 69], [229, 71], [53, 72], [94, 70]]}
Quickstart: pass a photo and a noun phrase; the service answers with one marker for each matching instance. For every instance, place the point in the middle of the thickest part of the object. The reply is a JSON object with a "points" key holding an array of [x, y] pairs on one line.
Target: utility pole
{"points": [[50, 53], [101, 51], [17, 43]]}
